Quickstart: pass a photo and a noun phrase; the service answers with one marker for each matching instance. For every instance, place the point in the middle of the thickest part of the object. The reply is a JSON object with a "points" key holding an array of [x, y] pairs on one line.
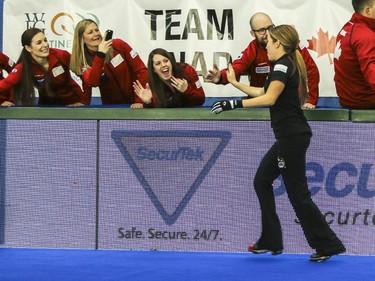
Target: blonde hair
{"points": [[288, 37], [80, 59]]}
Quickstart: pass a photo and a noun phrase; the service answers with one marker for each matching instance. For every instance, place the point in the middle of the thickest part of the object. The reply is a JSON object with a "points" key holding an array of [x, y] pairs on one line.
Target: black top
{"points": [[287, 117]]}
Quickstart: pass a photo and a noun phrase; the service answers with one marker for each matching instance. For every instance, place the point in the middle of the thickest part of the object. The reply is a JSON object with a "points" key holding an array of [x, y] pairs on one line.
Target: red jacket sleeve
{"points": [[92, 75], [6, 63], [135, 63], [7, 84], [365, 49], [63, 57], [194, 94], [241, 63], [313, 77], [87, 93]]}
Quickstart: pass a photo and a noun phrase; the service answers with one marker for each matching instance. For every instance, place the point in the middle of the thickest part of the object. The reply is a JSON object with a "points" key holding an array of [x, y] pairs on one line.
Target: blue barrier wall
{"points": [[173, 179]]}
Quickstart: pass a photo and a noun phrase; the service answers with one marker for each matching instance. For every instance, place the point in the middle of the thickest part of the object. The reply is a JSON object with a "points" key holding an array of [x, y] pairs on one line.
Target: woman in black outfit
{"points": [[284, 92]]}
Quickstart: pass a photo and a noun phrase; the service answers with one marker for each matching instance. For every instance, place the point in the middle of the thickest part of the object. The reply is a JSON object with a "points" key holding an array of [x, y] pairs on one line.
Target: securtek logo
{"points": [[342, 180], [171, 165]]}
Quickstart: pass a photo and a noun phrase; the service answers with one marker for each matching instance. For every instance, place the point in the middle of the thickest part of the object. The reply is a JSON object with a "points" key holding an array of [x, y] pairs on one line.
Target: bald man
{"points": [[254, 62]]}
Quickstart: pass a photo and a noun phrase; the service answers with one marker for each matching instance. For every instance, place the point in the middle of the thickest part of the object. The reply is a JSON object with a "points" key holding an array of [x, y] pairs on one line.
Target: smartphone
{"points": [[109, 34]]}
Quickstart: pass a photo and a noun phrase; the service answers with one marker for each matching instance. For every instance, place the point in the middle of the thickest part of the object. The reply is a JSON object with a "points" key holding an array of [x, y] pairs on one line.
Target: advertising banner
{"points": [[173, 185], [190, 187]]}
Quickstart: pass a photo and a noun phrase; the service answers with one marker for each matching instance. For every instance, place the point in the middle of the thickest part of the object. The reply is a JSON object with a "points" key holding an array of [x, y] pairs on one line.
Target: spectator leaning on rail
{"points": [[254, 62], [112, 65], [43, 68], [5, 64], [354, 60], [172, 84]]}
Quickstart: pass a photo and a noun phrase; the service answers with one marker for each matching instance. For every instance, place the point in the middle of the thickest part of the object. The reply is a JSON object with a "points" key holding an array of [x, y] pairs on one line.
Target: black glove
{"points": [[225, 105]]}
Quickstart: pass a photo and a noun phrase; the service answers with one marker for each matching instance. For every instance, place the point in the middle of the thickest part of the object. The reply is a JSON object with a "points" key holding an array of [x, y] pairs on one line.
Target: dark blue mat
{"points": [[67, 265]]}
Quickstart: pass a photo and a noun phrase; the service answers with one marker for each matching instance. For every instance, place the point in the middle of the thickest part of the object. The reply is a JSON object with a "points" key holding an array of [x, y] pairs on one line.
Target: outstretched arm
{"points": [[249, 90], [213, 75], [268, 99]]}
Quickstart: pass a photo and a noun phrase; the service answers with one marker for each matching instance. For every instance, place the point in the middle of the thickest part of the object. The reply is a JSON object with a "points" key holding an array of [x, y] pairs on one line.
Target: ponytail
{"points": [[288, 37], [297, 57]]}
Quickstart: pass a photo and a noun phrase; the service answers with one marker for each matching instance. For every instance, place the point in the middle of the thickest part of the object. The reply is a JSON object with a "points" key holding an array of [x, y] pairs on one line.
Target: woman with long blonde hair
{"points": [[287, 156], [112, 65]]}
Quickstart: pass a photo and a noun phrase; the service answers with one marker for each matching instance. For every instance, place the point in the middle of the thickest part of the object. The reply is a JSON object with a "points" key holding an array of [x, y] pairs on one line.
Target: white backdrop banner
{"points": [[198, 32]]}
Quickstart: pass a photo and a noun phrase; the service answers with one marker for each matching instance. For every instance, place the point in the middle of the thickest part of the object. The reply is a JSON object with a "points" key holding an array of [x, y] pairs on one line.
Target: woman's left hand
{"points": [[7, 103], [104, 46], [144, 94], [76, 104], [136, 105], [308, 105], [180, 84]]}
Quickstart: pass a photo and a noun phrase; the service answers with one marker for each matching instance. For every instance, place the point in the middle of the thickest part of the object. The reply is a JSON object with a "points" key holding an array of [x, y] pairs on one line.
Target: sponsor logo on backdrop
{"points": [[171, 165], [60, 29], [343, 180], [335, 181], [35, 20]]}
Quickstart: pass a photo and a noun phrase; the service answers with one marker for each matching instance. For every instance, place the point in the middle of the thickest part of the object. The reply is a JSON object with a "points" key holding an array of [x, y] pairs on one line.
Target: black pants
{"points": [[287, 157]]}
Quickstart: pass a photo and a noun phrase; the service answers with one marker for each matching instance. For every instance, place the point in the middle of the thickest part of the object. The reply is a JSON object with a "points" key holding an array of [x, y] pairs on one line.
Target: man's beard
{"points": [[263, 43]]}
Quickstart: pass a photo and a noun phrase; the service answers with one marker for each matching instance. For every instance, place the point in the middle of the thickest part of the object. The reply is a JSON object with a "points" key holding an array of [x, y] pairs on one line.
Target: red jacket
{"points": [[194, 94], [115, 79], [254, 62], [5, 64], [67, 91], [354, 63]]}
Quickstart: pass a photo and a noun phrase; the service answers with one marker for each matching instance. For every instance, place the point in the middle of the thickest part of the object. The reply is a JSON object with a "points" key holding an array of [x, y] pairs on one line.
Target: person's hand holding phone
{"points": [[106, 43], [108, 35]]}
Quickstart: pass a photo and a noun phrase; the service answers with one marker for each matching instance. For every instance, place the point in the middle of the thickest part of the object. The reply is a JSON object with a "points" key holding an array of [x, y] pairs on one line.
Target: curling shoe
{"points": [[255, 249], [325, 255]]}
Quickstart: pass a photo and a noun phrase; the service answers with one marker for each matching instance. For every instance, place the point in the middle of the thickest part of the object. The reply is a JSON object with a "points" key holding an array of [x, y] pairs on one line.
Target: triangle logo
{"points": [[171, 165]]}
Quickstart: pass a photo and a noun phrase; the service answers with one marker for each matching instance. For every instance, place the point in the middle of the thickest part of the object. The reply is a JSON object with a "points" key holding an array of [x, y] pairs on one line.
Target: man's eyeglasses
{"points": [[262, 31]]}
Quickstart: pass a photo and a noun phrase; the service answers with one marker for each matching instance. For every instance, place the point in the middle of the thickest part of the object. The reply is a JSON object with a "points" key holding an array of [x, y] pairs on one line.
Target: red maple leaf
{"points": [[323, 44]]}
